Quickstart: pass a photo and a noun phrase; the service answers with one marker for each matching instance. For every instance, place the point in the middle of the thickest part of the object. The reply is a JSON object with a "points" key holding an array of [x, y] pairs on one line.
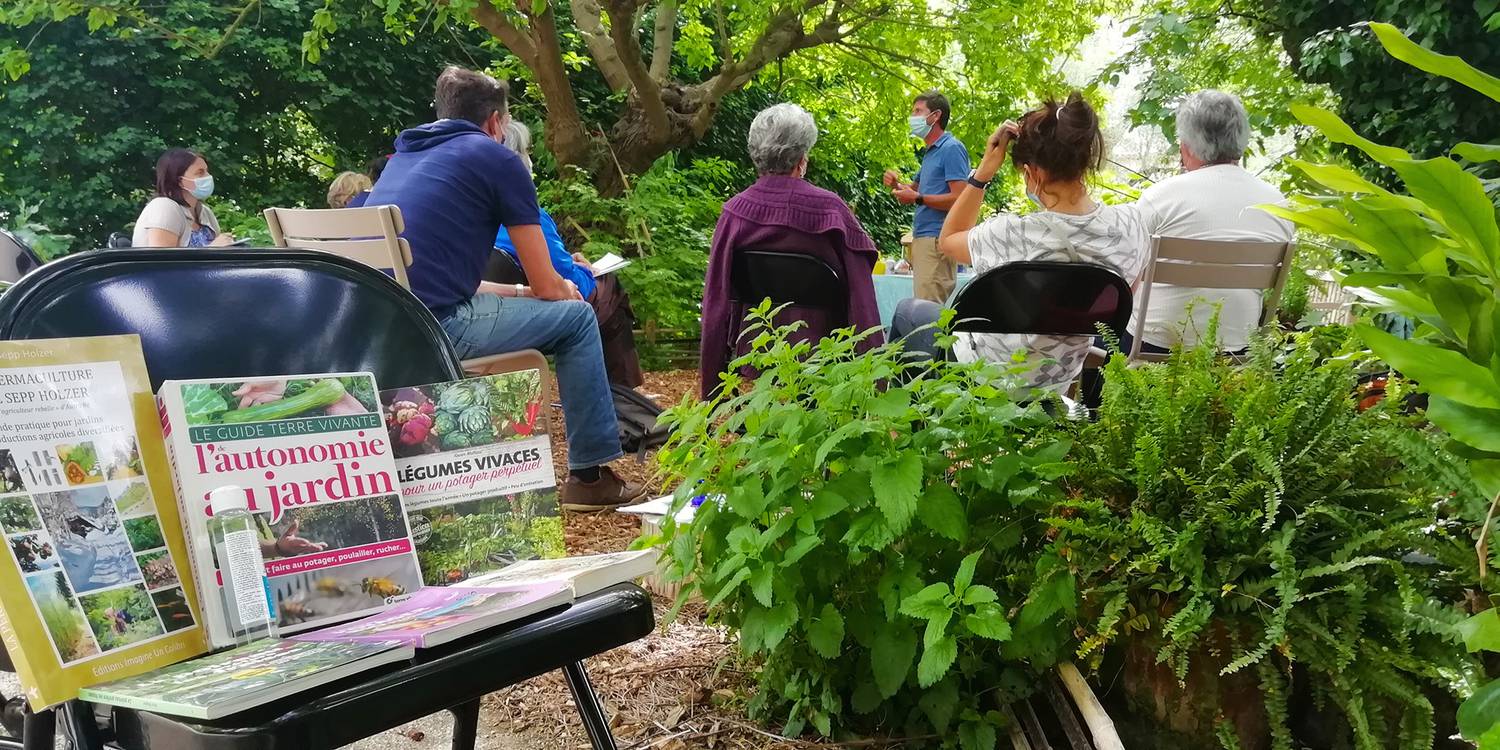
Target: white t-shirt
{"points": [[1114, 236], [1209, 203], [165, 213]]}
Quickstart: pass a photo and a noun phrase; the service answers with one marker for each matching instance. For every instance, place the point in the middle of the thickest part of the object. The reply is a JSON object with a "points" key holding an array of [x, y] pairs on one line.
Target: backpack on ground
{"points": [[637, 415]]}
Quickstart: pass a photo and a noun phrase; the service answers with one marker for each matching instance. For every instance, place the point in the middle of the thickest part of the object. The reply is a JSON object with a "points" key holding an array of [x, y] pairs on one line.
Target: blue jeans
{"points": [[490, 324]]}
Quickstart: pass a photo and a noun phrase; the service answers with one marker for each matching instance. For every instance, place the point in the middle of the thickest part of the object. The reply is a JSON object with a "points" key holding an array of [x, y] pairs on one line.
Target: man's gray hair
{"points": [[781, 137], [518, 139], [1214, 126]]}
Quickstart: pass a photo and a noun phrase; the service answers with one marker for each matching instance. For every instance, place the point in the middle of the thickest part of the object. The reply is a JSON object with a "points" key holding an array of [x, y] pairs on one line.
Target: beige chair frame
{"points": [[371, 235], [1212, 264]]}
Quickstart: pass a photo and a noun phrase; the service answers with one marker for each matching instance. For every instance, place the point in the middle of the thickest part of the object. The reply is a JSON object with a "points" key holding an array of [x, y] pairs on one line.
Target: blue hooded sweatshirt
{"points": [[456, 187]]}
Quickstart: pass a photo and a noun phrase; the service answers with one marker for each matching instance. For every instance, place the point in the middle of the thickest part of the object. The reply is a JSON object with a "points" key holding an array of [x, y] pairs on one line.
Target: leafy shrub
{"points": [[879, 546], [47, 244], [1252, 518]]}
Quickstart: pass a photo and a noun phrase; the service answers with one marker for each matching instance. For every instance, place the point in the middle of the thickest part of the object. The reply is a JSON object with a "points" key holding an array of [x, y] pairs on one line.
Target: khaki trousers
{"points": [[934, 275]]}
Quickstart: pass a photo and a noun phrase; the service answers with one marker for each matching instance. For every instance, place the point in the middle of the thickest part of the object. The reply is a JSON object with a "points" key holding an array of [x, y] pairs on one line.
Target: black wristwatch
{"points": [[921, 199], [975, 181]]}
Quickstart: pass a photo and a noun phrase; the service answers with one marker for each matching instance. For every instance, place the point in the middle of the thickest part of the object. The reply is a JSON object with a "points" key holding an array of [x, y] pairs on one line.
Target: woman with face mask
{"points": [[1055, 147], [177, 216]]}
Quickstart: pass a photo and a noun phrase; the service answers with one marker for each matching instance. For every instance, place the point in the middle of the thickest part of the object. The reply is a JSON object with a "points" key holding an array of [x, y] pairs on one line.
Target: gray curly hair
{"points": [[1214, 126], [780, 138], [518, 139]]}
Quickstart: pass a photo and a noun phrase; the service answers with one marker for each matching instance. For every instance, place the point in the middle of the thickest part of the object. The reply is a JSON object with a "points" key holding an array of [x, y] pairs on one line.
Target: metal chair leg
{"points": [[589, 708], [465, 725]]}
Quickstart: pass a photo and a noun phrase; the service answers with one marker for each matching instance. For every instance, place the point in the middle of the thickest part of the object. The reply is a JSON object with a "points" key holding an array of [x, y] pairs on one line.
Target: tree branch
{"points": [[661, 45], [233, 27], [513, 37], [590, 22], [647, 90], [908, 59]]}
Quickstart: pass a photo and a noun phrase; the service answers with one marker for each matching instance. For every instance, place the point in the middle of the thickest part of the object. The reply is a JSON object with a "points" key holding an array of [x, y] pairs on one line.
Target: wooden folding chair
{"points": [[372, 235], [1212, 264]]}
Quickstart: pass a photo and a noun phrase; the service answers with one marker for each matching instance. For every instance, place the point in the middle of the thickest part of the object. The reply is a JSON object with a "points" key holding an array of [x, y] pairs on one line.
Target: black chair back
{"points": [[222, 313], [789, 278], [1044, 297], [119, 241], [16, 257], [503, 269]]}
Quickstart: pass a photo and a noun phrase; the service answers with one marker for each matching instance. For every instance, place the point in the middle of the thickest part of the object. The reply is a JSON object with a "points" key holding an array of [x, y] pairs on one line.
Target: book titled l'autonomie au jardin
{"points": [[315, 462], [475, 467], [93, 583]]}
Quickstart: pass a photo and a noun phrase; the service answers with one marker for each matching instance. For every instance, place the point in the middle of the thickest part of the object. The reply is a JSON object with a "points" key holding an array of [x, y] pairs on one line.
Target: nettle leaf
{"points": [[800, 548], [937, 627], [976, 735], [760, 584], [744, 540], [891, 657], [927, 603], [980, 595], [939, 704], [891, 404], [826, 503], [826, 633], [779, 622], [944, 513], [937, 659], [965, 575], [896, 487], [988, 621]]}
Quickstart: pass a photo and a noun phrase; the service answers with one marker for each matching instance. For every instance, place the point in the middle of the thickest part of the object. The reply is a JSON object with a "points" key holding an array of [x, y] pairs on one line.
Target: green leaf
{"points": [[1482, 631], [1480, 714], [944, 513], [744, 540], [980, 595], [846, 431], [1338, 131], [779, 622], [897, 486], [891, 658], [1439, 371], [826, 503], [866, 697], [927, 603], [891, 404], [936, 628], [1456, 198], [1478, 152], [939, 704], [988, 621], [1472, 426], [1338, 178], [1447, 66], [826, 634], [965, 575], [729, 587], [800, 549], [1397, 235], [760, 584], [976, 735], [937, 659]]}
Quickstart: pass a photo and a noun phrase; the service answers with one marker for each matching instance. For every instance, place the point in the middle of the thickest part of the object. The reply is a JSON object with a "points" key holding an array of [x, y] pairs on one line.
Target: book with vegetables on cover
{"points": [[475, 467], [242, 678], [312, 455], [434, 615], [94, 583]]}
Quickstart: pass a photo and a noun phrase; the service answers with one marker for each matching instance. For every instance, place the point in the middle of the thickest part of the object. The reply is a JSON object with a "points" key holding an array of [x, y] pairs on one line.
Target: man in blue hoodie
{"points": [[456, 186]]}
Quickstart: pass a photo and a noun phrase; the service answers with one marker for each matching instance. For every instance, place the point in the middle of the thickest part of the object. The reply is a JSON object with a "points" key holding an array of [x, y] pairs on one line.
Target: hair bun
{"points": [[1061, 138]]}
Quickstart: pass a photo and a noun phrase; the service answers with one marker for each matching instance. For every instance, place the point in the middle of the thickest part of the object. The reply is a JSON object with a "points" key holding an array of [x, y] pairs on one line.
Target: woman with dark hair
{"points": [[177, 216], [1055, 147]]}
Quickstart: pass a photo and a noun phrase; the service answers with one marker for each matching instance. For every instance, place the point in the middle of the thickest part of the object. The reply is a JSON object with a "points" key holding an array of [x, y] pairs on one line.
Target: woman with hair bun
{"points": [[1056, 147]]}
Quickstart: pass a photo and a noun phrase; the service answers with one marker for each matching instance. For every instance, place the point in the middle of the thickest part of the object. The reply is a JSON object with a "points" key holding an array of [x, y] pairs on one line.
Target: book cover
{"points": [[312, 455], [434, 615], [475, 468], [242, 678], [585, 574], [93, 583]]}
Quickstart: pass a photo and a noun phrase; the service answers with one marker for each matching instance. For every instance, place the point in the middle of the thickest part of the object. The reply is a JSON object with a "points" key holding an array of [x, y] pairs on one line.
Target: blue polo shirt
{"points": [[944, 161]]}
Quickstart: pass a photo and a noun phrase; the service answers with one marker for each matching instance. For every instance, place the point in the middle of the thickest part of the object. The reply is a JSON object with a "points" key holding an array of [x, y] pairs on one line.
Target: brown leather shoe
{"points": [[606, 492]]}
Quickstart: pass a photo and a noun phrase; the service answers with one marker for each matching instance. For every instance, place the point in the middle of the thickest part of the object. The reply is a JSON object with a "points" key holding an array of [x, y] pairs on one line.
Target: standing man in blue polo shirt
{"points": [[945, 166]]}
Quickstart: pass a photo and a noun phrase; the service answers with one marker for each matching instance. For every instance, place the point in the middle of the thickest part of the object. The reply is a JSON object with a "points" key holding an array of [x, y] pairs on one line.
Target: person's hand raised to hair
{"points": [[995, 148]]}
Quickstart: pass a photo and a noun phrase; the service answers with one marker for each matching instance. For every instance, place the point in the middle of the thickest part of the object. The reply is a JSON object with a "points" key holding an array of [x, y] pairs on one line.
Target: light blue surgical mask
{"points": [[1034, 199], [919, 125], [202, 187]]}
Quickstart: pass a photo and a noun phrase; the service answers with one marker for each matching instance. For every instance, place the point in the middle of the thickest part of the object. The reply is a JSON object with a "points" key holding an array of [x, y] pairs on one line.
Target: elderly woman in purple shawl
{"points": [[782, 211]]}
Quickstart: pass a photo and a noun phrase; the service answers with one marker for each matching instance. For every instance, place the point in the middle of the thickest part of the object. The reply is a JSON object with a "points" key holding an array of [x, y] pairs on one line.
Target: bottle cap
{"points": [[228, 497]]}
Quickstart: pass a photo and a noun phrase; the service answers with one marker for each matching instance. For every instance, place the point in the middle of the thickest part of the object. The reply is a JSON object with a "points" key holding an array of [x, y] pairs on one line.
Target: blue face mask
{"points": [[919, 125], [1034, 199], [202, 187]]}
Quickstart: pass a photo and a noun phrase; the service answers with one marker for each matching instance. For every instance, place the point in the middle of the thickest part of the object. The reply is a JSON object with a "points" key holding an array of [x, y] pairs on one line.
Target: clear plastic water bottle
{"points": [[244, 593]]}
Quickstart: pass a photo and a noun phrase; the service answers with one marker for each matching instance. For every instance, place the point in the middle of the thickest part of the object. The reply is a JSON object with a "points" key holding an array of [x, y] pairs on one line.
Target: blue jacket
{"points": [[456, 187], [562, 260]]}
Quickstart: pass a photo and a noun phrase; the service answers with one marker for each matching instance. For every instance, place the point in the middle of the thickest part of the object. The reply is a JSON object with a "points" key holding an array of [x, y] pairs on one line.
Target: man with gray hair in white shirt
{"points": [[1215, 198]]}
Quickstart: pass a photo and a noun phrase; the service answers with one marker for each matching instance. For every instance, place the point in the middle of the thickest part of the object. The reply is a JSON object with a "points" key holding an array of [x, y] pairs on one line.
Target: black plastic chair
{"points": [[501, 268], [789, 278], [16, 257], [1046, 298], [232, 312]]}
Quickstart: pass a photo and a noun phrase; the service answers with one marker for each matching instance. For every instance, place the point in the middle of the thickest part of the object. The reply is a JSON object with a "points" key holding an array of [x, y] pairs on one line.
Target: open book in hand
{"points": [[609, 264]]}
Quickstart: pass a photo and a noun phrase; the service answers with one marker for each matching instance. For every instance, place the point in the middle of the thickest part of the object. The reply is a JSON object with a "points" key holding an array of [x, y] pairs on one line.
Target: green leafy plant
{"points": [[47, 244], [1436, 257], [878, 543], [1245, 529]]}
